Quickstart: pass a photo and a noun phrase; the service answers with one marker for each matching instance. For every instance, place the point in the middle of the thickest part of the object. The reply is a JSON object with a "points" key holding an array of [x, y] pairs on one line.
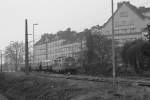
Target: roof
{"points": [[136, 10], [143, 9], [139, 11], [77, 37]]}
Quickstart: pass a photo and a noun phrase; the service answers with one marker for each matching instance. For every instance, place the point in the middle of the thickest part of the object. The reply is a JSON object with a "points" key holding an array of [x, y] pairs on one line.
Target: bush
{"points": [[97, 69]]}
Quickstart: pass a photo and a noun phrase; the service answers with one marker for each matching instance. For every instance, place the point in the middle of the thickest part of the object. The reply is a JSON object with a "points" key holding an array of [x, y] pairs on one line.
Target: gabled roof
{"points": [[139, 11], [111, 17], [136, 10], [143, 9]]}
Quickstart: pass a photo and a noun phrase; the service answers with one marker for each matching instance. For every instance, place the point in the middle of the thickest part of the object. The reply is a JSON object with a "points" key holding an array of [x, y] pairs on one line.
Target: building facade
{"points": [[129, 22], [57, 49]]}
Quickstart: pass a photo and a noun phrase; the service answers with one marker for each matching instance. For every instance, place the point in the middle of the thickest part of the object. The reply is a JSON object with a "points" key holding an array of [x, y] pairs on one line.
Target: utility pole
{"points": [[26, 48], [113, 48]]}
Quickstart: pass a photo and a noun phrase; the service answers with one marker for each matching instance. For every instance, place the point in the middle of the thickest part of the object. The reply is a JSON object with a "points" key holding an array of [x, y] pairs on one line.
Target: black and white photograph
{"points": [[74, 49]]}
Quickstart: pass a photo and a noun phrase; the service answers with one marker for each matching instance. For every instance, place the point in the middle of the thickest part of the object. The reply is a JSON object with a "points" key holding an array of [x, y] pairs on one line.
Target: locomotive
{"points": [[65, 65]]}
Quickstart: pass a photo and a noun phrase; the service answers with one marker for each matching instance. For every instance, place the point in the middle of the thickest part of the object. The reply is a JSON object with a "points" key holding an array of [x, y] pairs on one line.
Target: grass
{"points": [[22, 87]]}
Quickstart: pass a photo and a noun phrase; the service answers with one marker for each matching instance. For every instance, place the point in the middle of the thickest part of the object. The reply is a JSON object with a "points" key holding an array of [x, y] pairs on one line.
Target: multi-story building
{"points": [[58, 49], [129, 22]]}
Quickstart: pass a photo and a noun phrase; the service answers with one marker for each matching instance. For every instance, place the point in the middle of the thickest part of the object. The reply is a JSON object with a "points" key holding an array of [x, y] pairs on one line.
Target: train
{"points": [[63, 65]]}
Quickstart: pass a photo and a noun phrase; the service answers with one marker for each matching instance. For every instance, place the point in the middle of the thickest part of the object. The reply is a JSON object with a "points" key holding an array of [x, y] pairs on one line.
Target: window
{"points": [[124, 14], [123, 23], [132, 22], [116, 24], [132, 29], [124, 30], [116, 31], [107, 32]]}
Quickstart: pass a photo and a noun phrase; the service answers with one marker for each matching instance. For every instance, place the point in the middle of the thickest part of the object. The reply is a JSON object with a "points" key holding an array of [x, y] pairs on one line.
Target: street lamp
{"points": [[33, 31], [33, 39]]}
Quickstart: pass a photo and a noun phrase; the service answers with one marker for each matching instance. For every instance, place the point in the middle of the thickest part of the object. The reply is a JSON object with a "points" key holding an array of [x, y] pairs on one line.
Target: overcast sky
{"points": [[52, 16]]}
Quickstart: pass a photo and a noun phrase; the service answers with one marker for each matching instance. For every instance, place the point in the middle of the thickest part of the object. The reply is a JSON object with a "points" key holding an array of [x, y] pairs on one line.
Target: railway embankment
{"points": [[18, 86]]}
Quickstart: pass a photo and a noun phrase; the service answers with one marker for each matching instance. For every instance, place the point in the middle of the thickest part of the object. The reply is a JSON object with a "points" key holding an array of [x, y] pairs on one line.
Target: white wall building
{"points": [[129, 22], [60, 48]]}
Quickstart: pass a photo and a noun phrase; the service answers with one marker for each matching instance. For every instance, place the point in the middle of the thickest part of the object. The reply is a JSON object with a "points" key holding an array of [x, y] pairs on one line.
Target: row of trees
{"points": [[97, 56], [14, 55], [136, 55], [68, 35], [14, 52]]}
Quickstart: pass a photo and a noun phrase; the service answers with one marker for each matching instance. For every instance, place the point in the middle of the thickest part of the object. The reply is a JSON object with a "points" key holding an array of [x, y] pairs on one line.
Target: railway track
{"points": [[130, 81]]}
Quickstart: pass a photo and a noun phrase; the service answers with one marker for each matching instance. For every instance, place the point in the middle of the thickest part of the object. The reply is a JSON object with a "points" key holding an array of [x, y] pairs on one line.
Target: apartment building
{"points": [[129, 22], [58, 49]]}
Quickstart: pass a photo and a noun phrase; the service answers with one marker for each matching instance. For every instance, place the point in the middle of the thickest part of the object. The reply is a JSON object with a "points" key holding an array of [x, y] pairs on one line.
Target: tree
{"points": [[67, 35], [98, 54], [124, 51], [148, 32], [102, 48], [90, 46], [134, 54], [146, 49], [14, 54]]}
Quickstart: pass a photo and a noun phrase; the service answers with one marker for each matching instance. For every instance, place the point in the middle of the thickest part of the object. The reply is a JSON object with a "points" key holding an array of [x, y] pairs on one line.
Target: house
{"points": [[129, 22], [58, 48]]}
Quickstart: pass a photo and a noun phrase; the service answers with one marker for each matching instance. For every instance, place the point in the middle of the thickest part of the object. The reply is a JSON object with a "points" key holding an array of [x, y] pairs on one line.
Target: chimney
{"points": [[120, 3]]}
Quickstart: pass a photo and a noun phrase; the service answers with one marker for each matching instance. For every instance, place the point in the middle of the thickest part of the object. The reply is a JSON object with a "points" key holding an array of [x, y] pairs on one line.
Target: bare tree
{"points": [[14, 54]]}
